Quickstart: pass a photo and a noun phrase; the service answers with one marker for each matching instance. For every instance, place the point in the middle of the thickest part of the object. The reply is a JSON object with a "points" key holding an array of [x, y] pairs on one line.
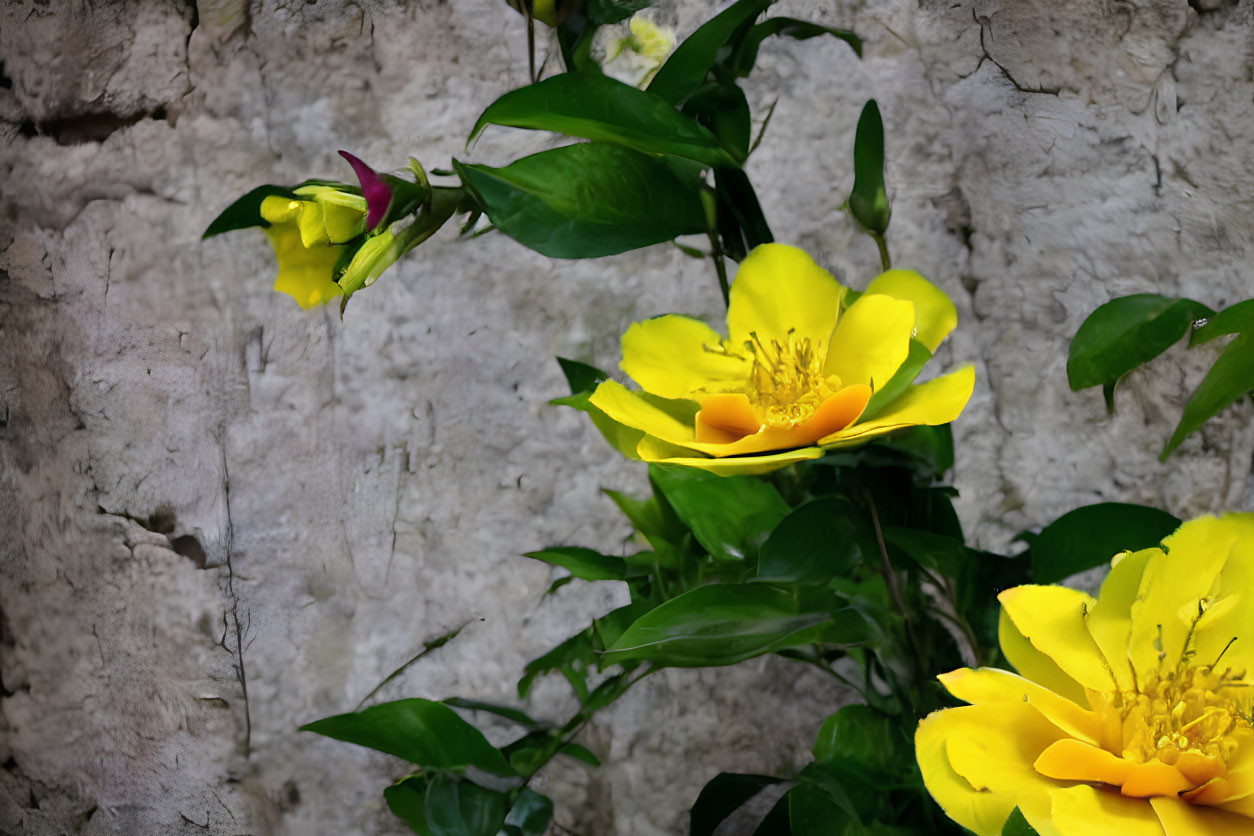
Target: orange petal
{"points": [[838, 412], [726, 418], [1075, 760]]}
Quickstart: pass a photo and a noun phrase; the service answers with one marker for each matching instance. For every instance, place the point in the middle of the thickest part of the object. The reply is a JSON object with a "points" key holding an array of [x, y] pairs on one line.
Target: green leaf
{"points": [[407, 800], [1017, 825], [729, 515], [1231, 377], [869, 200], [580, 753], [801, 30], [581, 376], [587, 200], [826, 800], [574, 657], [722, 624], [457, 807], [900, 381], [825, 537], [424, 732], [597, 107], [721, 796], [1231, 320], [861, 735], [602, 12], [585, 564], [741, 224], [685, 70], [1126, 332], [723, 109], [246, 212], [1092, 535], [512, 714], [531, 813]]}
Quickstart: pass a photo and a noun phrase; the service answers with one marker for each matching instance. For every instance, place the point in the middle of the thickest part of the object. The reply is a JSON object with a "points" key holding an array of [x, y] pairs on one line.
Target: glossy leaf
{"points": [[825, 537], [580, 376], [602, 12], [514, 715], [1126, 332], [246, 211], [723, 109], [801, 30], [423, 732], [530, 814], [900, 381], [721, 796], [729, 515], [1229, 378], [587, 200], [686, 69], [408, 801], [739, 218], [595, 106], [1231, 320], [458, 807], [861, 735], [1092, 535], [869, 201], [831, 803], [580, 753], [722, 624]]}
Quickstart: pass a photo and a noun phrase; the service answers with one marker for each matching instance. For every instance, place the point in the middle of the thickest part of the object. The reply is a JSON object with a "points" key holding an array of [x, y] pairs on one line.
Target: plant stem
{"points": [[894, 587], [886, 262], [716, 253]]}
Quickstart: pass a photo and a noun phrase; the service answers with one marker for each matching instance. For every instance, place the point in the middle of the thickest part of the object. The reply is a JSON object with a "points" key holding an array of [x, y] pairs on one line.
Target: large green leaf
{"points": [[1017, 825], [725, 793], [801, 30], [424, 732], [685, 70], [407, 800], [724, 110], [457, 807], [729, 515], [246, 211], [859, 734], [1092, 535], [869, 200], [741, 223], [595, 106], [1231, 377], [1126, 332], [825, 537], [722, 624], [587, 200]]}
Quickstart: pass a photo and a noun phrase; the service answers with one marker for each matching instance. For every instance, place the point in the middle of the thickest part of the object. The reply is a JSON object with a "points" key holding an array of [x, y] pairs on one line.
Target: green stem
{"points": [[894, 585], [886, 262], [716, 253]]}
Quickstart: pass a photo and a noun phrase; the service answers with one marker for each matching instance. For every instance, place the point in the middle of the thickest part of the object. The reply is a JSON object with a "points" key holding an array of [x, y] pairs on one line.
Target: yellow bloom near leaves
{"points": [[798, 372], [1132, 713], [308, 234]]}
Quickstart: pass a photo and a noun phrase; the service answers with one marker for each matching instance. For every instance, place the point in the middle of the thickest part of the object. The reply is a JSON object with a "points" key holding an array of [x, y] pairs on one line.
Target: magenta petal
{"points": [[377, 193]]}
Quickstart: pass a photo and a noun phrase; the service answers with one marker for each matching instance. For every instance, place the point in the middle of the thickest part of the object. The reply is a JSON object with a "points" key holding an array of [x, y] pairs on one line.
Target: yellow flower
{"points": [[794, 376], [308, 234], [1132, 714], [633, 51]]}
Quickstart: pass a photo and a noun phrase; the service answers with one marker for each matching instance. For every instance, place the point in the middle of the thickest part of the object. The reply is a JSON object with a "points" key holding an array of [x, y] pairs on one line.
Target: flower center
{"points": [[786, 382]]}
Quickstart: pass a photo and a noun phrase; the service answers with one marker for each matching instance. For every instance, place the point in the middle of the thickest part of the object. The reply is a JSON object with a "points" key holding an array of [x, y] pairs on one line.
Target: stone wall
{"points": [[180, 448]]}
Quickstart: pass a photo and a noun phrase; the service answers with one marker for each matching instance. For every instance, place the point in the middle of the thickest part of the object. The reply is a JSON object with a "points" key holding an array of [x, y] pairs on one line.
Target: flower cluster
{"points": [[1133, 713]]}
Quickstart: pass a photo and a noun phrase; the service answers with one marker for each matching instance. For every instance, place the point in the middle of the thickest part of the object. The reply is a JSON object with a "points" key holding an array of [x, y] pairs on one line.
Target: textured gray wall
{"points": [[373, 480]]}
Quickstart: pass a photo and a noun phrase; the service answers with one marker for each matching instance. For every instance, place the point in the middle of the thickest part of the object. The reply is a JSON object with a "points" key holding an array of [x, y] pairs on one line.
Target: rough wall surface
{"points": [[183, 452]]}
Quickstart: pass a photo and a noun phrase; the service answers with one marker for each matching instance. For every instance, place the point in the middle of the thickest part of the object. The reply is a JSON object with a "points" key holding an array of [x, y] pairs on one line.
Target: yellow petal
{"points": [[1035, 665], [938, 401], [996, 750], [1232, 599], [678, 357], [1052, 619], [313, 232], [636, 410], [871, 341], [304, 274], [1086, 811], [1110, 619], [780, 289], [987, 685], [1171, 588], [277, 210], [740, 465], [982, 812], [1075, 760], [1180, 818], [934, 313]]}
